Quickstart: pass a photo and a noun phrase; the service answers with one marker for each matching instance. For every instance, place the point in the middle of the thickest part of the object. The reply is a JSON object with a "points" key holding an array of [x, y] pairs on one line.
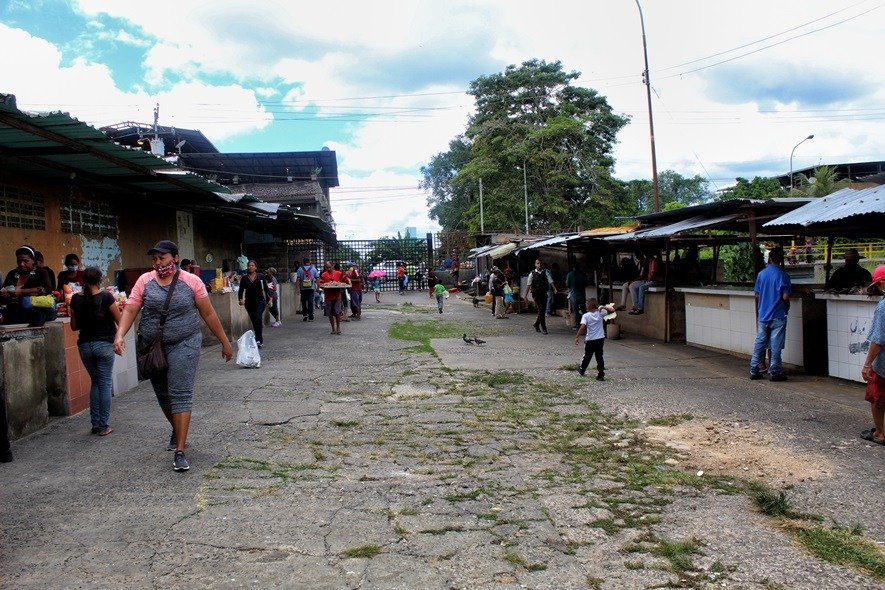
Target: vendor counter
{"points": [[848, 325], [654, 322], [724, 318], [67, 382]]}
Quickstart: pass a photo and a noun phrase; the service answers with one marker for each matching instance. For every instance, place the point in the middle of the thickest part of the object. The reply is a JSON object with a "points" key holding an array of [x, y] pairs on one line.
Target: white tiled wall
{"points": [[848, 323], [732, 326]]}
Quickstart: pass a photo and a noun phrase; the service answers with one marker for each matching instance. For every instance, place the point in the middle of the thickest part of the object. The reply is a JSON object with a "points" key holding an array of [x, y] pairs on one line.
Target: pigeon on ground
{"points": [[475, 302], [466, 339], [478, 341]]}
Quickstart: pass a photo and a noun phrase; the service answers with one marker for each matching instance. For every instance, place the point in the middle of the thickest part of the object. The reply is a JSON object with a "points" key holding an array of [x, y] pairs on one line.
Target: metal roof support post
{"points": [[667, 290], [754, 247], [829, 265]]}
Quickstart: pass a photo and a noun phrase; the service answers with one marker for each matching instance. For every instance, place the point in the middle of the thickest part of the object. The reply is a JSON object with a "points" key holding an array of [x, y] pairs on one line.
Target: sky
{"points": [[735, 85]]}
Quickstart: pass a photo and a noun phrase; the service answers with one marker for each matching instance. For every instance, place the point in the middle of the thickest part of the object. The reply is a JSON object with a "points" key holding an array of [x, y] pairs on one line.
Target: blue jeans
{"points": [[577, 307], [549, 309], [771, 334], [439, 302], [639, 293], [98, 358]]}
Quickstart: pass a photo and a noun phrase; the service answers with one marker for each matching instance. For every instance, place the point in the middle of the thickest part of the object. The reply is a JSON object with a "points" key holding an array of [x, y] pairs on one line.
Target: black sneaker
{"points": [[179, 462], [600, 377], [581, 372], [173, 444], [755, 376], [5, 456], [778, 377]]}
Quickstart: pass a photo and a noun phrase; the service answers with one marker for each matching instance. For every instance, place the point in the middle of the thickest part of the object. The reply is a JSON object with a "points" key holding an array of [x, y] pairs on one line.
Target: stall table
{"points": [[848, 326]]}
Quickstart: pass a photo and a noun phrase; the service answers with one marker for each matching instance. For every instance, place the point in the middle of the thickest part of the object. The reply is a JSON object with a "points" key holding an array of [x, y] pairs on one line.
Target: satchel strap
{"points": [[165, 311]]}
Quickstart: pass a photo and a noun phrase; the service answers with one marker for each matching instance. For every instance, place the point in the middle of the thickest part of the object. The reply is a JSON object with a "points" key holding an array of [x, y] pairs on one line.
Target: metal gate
{"points": [[385, 254]]}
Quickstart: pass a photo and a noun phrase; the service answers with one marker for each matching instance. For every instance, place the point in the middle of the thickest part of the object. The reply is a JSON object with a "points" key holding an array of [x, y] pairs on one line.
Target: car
{"points": [[389, 268]]}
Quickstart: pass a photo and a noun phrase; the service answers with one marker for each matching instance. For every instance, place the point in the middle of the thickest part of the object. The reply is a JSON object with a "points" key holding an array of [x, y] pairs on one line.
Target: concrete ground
{"points": [[353, 462]]}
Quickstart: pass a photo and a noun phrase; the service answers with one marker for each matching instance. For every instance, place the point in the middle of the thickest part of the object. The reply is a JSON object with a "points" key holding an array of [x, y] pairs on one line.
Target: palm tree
{"points": [[825, 181]]}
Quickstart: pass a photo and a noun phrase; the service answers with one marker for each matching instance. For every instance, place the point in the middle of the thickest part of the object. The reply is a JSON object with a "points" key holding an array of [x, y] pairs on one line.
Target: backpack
{"points": [[540, 281], [306, 278]]}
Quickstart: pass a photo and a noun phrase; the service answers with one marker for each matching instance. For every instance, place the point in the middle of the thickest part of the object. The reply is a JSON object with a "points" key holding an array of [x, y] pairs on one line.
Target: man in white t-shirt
{"points": [[594, 336]]}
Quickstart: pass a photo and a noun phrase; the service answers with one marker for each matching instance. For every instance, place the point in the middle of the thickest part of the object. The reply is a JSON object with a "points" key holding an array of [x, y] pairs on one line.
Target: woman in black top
{"points": [[255, 296], [23, 281], [95, 313]]}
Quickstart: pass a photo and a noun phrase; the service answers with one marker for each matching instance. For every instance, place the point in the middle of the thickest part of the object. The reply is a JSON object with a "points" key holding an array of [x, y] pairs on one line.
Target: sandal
{"points": [[868, 435]]}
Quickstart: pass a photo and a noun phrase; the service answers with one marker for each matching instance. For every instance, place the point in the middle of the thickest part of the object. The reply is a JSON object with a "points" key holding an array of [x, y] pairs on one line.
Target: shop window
{"points": [[22, 209], [89, 218]]}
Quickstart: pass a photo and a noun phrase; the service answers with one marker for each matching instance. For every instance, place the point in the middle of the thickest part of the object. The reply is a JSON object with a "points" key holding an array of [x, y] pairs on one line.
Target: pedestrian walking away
{"points": [[306, 276], [356, 291], [96, 315], [538, 283], [182, 299], [593, 330], [772, 291], [873, 371], [576, 281], [254, 295], [439, 291]]}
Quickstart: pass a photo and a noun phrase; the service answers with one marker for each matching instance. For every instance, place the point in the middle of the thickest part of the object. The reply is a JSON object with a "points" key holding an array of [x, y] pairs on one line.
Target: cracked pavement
{"points": [[350, 462]]}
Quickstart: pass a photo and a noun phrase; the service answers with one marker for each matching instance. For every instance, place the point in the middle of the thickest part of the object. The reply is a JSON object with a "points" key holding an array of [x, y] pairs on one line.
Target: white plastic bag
{"points": [[247, 351]]}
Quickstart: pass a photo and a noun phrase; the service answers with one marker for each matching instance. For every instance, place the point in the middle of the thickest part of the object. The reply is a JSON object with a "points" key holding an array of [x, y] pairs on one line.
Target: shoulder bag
{"points": [[151, 359]]}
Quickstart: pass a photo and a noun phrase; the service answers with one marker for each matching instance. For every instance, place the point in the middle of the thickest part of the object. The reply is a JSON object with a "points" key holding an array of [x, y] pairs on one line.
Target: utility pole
{"points": [[651, 124], [482, 225], [525, 188]]}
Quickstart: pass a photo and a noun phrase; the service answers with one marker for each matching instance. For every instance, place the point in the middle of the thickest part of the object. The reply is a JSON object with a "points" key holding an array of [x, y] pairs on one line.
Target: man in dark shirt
{"points": [[851, 275]]}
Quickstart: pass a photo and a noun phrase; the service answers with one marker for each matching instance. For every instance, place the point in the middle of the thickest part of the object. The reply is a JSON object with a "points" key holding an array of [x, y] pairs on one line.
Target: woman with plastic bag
{"points": [[180, 298], [255, 296]]}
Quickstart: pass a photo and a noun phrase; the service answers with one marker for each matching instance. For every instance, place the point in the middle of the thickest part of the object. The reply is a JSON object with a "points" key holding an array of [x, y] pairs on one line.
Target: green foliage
{"points": [[759, 188], [675, 190], [531, 130], [363, 551], [423, 332], [823, 182], [770, 502], [738, 262], [405, 248]]}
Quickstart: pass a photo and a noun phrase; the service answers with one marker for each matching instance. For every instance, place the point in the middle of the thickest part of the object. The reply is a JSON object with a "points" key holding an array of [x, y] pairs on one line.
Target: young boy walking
{"points": [[438, 291], [594, 336]]}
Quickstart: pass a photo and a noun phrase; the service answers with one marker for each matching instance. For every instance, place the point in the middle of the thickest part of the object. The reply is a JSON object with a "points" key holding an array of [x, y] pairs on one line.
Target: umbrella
{"points": [[377, 273]]}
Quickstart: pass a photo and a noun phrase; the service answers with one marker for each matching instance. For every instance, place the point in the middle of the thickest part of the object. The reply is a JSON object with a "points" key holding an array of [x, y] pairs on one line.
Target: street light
{"points": [[651, 123], [791, 159]]}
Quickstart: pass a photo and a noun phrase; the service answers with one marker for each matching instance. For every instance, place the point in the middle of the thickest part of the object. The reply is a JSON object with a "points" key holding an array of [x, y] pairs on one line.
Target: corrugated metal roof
{"points": [[600, 232], [555, 240], [836, 206], [502, 250], [693, 223], [58, 145]]}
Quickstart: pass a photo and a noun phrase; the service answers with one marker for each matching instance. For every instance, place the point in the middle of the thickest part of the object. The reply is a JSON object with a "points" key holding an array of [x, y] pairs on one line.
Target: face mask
{"points": [[165, 270], [71, 268]]}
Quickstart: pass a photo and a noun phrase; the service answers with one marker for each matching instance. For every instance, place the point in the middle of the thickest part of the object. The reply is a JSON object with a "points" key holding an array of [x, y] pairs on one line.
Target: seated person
{"points": [[639, 289], [23, 281], [42, 265], [851, 275], [71, 273], [634, 280]]}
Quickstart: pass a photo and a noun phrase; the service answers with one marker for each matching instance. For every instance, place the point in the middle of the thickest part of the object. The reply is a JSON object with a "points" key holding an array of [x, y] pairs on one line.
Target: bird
{"points": [[478, 341], [475, 302], [466, 339]]}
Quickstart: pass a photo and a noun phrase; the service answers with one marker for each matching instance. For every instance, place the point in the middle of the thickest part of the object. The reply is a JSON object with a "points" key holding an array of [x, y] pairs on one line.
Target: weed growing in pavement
{"points": [[843, 546], [368, 551], [345, 423], [515, 559], [423, 332], [678, 553]]}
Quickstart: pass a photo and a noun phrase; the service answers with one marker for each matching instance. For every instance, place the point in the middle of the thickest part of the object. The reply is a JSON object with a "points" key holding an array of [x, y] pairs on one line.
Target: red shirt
{"points": [[332, 276], [400, 272]]}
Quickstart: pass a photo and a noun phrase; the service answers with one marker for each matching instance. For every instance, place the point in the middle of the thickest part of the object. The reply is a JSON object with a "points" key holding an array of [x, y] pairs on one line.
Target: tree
{"points": [[402, 247], [532, 130], [825, 181], [759, 188], [675, 191]]}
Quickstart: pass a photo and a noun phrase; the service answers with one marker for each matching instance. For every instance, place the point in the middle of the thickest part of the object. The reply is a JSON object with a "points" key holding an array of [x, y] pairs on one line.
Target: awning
{"points": [[501, 251], [686, 225], [835, 207], [481, 251], [554, 241]]}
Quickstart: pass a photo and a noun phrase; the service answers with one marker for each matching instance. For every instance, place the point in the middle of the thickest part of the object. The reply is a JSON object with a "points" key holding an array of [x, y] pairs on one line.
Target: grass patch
{"points": [[634, 565], [570, 367], [345, 423], [515, 559], [843, 546], [670, 420], [368, 551], [409, 511], [606, 524], [422, 332], [455, 498], [678, 553], [769, 502], [499, 378]]}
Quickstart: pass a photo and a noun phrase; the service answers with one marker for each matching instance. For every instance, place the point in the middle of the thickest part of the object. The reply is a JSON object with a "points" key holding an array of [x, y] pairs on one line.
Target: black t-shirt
{"points": [[37, 278], [93, 315]]}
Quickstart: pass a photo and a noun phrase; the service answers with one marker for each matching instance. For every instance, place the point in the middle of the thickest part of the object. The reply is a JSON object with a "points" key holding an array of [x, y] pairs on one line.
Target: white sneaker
{"points": [[276, 324]]}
